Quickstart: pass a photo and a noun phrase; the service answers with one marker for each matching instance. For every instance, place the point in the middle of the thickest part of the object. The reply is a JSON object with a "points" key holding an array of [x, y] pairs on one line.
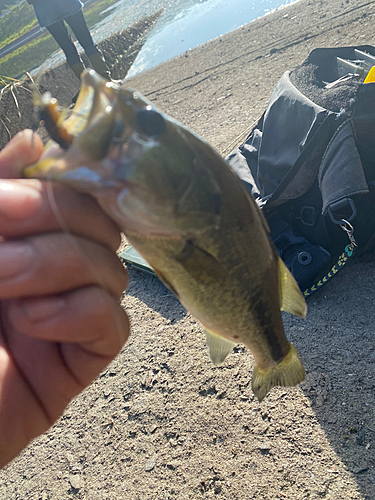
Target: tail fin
{"points": [[288, 372]]}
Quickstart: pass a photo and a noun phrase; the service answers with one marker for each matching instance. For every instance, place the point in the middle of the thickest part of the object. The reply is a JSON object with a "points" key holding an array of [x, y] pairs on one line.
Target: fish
{"points": [[186, 212]]}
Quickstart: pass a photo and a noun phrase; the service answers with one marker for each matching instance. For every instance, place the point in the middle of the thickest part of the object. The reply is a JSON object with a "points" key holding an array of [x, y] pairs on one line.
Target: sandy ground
{"points": [[161, 423]]}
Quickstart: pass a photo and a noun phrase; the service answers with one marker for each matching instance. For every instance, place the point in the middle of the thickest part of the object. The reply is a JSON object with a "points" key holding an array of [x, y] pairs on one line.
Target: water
{"points": [[183, 25], [190, 23]]}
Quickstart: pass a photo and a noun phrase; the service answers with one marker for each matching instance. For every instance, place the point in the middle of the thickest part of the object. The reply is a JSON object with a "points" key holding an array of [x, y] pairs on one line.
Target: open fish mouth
{"points": [[85, 147], [97, 148]]}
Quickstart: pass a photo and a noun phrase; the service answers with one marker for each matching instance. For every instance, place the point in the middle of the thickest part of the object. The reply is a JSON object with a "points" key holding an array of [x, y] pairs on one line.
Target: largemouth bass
{"points": [[187, 214]]}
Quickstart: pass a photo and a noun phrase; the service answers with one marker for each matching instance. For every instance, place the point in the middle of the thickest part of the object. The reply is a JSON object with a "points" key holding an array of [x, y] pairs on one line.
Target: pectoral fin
{"points": [[292, 300], [218, 347]]}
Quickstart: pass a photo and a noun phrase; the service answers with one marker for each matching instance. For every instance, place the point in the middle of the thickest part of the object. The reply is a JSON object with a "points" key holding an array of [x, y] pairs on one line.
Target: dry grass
{"points": [[10, 86]]}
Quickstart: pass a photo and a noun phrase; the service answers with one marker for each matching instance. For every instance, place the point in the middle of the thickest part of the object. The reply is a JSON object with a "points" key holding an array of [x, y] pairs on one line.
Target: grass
{"points": [[19, 20], [14, 36], [6, 5], [37, 51], [92, 13], [5, 81], [11, 85], [27, 56]]}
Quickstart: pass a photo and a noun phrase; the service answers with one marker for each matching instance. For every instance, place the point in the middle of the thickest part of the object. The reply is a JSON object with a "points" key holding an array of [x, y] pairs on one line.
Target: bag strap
{"points": [[342, 260], [326, 129]]}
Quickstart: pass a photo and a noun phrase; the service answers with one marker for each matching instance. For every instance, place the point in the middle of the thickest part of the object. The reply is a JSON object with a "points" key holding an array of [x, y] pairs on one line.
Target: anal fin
{"points": [[292, 300], [218, 347]]}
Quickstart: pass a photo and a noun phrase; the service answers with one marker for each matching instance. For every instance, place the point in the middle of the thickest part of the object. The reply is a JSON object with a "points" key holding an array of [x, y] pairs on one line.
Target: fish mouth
{"points": [[96, 99], [107, 132], [81, 144]]}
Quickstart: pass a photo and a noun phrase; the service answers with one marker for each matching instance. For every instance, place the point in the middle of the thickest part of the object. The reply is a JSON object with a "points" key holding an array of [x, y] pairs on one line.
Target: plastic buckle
{"points": [[308, 216], [340, 208]]}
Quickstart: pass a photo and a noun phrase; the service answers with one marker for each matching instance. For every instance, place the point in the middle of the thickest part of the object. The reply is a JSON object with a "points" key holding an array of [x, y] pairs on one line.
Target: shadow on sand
{"points": [[149, 290], [338, 351]]}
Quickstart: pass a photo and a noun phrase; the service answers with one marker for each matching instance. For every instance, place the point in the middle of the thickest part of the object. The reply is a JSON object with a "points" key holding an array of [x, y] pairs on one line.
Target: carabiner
{"points": [[349, 229]]}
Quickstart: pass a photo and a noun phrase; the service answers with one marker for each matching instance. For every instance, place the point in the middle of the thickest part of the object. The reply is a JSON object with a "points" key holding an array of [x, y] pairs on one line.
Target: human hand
{"points": [[60, 318]]}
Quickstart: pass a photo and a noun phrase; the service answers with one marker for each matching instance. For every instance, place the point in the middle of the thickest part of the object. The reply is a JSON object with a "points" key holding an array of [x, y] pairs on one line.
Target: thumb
{"points": [[22, 150]]}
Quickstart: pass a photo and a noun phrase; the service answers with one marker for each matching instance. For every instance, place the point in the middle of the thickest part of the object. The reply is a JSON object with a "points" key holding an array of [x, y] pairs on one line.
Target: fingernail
{"points": [[42, 308], [22, 134], [19, 201], [14, 258]]}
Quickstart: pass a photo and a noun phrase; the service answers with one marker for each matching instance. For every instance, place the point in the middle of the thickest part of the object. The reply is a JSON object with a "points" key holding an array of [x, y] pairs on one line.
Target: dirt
{"points": [[161, 423]]}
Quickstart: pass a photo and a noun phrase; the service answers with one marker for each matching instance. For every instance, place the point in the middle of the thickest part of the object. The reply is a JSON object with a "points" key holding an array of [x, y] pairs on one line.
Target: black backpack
{"points": [[310, 163]]}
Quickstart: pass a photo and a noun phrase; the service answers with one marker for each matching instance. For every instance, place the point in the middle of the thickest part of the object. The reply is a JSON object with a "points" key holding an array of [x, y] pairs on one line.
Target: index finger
{"points": [[22, 150]]}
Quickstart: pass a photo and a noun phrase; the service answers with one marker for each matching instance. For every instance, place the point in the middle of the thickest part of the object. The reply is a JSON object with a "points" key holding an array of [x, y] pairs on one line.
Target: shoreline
{"points": [[188, 24]]}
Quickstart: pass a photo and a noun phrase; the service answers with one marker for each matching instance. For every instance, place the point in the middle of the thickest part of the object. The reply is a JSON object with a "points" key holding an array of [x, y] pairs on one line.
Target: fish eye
{"points": [[150, 121]]}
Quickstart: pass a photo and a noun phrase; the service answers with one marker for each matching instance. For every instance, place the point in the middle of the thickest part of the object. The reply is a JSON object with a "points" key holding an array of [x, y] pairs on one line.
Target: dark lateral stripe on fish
{"points": [[274, 344]]}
